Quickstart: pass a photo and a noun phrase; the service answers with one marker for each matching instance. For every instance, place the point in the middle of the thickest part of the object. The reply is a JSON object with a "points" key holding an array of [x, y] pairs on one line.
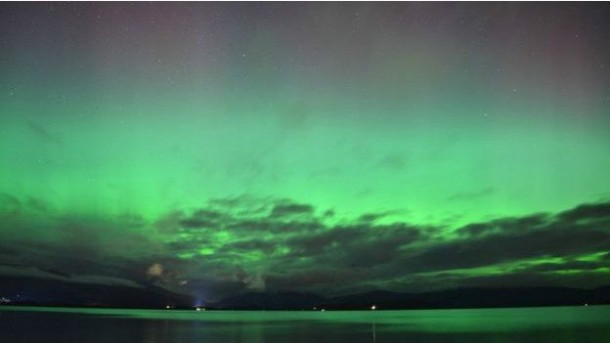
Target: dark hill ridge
{"points": [[455, 298], [44, 292], [271, 301]]}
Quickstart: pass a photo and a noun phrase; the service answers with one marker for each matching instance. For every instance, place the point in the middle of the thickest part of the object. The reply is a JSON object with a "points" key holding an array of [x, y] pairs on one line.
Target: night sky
{"points": [[219, 148]]}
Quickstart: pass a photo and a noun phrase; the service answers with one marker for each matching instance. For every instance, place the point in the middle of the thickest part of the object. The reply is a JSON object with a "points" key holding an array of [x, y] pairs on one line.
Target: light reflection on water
{"points": [[558, 324]]}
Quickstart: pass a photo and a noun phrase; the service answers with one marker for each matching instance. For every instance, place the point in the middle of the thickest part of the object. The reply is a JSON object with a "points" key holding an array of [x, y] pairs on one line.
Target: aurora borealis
{"points": [[216, 148]]}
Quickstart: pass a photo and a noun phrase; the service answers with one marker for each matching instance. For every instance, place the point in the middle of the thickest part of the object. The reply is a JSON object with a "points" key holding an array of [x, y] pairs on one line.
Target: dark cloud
{"points": [[280, 217], [266, 247], [272, 226], [586, 212], [209, 214], [189, 244], [240, 244], [329, 213], [35, 272], [204, 218], [44, 243], [357, 246], [372, 217], [389, 252], [284, 210], [504, 225], [563, 266], [194, 223], [313, 244], [577, 231]]}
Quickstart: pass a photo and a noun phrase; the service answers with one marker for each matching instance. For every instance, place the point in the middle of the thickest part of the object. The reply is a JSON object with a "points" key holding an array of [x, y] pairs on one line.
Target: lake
{"points": [[549, 324]]}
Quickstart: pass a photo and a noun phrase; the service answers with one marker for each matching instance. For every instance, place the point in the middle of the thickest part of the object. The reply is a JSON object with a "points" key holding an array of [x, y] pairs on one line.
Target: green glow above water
{"points": [[114, 132], [464, 165]]}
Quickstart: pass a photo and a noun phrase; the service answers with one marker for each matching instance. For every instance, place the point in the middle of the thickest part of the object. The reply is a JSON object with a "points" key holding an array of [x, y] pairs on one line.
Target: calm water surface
{"points": [[540, 325]]}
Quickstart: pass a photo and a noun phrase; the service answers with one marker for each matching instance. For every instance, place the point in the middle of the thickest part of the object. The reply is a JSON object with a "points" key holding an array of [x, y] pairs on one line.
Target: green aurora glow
{"points": [[294, 146]]}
